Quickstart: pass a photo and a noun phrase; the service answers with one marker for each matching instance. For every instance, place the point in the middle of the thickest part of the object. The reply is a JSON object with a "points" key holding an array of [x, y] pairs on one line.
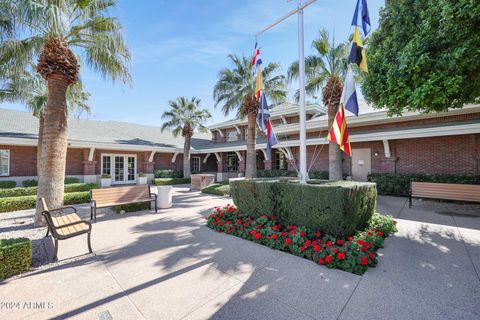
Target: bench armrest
{"points": [[64, 208], [154, 195], [93, 203]]}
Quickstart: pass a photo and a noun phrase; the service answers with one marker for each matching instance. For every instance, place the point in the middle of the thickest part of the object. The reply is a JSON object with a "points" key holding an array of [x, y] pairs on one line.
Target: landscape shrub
{"points": [[398, 184], [171, 181], [29, 202], [219, 189], [18, 192], [291, 173], [132, 207], [30, 183], [8, 184], [168, 174], [15, 256], [70, 180], [337, 208], [352, 253]]}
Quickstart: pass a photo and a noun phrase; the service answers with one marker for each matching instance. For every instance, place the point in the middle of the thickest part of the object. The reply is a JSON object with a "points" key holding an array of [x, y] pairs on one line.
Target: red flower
{"points": [[363, 249], [274, 236], [328, 259], [275, 228], [370, 234], [292, 231], [329, 244], [314, 243], [363, 261], [268, 237], [254, 231], [248, 233], [258, 236], [302, 234], [284, 234], [321, 261], [302, 248], [341, 255], [380, 233], [307, 243], [229, 229], [335, 250], [239, 221], [349, 238], [339, 242], [317, 248], [318, 234], [259, 226], [371, 255], [288, 241], [292, 227]]}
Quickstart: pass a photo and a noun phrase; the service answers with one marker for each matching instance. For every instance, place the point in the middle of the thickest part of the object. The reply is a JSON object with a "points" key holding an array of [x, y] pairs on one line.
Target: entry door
{"points": [[124, 169], [119, 173], [361, 164]]}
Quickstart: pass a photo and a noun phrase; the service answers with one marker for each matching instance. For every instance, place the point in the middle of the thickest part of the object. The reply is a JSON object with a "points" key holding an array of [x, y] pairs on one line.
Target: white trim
{"points": [[264, 153], [238, 129], [284, 120], [91, 153], [125, 167], [152, 155], [386, 148], [240, 158], [206, 158], [8, 163], [221, 133], [219, 159], [174, 158]]}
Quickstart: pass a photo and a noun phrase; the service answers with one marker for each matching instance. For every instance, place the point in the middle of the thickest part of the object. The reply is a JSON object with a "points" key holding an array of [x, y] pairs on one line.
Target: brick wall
{"points": [[23, 160]]}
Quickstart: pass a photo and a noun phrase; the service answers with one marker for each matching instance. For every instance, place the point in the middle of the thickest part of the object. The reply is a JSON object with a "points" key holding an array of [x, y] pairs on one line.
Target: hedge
{"points": [[29, 202], [34, 183], [219, 189], [7, 184], [168, 174], [18, 192], [15, 256], [290, 173], [132, 207], [171, 181], [337, 208], [398, 184]]}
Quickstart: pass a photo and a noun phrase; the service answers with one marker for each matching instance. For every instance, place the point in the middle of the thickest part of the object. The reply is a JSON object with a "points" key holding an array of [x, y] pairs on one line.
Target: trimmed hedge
{"points": [[29, 183], [398, 184], [337, 208], [168, 174], [171, 181], [18, 192], [29, 202], [15, 256], [290, 173], [8, 184], [219, 189], [71, 180], [132, 207]]}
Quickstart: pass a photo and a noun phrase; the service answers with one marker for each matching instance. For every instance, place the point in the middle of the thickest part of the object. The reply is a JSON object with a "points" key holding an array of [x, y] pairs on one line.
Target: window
{"points": [[232, 161], [195, 164], [131, 169], [106, 165], [232, 136], [279, 161], [4, 162]]}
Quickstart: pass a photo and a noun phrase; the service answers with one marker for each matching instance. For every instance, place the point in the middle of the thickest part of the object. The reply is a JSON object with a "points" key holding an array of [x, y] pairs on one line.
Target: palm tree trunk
{"points": [[186, 157], [53, 149], [41, 124], [334, 152], [251, 161]]}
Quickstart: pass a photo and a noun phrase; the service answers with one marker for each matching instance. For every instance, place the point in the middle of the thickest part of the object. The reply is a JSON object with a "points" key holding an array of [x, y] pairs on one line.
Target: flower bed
{"points": [[354, 254]]}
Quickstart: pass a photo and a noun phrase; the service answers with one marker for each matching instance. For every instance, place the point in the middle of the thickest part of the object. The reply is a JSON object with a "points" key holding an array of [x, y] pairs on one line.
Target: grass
{"points": [[219, 189]]}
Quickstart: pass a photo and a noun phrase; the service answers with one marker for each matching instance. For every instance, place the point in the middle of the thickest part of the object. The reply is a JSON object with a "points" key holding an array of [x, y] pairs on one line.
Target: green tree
{"points": [[235, 91], [59, 34], [325, 71], [185, 117], [424, 56], [31, 90]]}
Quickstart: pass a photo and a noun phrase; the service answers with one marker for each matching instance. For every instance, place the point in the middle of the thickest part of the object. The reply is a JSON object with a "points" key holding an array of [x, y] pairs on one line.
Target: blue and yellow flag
{"points": [[357, 53]]}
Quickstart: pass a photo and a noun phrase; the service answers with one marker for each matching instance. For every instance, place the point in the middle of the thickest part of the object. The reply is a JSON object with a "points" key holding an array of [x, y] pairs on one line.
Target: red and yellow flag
{"points": [[339, 131]]}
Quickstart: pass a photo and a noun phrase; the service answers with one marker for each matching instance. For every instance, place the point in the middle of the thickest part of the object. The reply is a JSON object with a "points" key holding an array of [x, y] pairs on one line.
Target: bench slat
{"points": [[448, 191], [110, 197], [67, 219]]}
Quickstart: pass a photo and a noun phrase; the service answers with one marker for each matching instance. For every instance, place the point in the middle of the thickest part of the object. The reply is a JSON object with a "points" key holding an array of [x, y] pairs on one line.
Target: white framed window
{"points": [[232, 161], [232, 136], [195, 164], [122, 167], [106, 165], [280, 161], [4, 163]]}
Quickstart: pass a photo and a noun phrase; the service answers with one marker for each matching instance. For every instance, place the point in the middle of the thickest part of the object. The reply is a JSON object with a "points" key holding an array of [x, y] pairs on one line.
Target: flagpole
{"points": [[303, 175]]}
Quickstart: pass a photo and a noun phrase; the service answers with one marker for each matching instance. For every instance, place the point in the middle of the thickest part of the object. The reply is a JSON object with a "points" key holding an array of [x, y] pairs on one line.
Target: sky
{"points": [[178, 48]]}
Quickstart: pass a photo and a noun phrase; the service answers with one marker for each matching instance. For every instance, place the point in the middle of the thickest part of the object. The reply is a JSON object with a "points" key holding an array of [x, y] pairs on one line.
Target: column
{"points": [[268, 164], [89, 175]]}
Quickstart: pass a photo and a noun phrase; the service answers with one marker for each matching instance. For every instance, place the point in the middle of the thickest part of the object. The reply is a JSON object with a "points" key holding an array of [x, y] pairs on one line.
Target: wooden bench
{"points": [[447, 191], [63, 225], [117, 196]]}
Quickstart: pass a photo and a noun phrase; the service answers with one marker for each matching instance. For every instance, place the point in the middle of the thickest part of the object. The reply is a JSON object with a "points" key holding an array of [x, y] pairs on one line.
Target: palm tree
{"points": [[325, 72], [31, 89], [235, 90], [57, 34], [185, 117]]}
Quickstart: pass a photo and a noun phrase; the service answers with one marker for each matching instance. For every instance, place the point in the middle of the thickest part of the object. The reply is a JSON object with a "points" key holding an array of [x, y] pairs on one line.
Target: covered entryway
{"points": [[361, 164]]}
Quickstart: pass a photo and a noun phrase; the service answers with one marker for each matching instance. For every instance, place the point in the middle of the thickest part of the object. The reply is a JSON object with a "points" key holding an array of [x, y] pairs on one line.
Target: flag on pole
{"points": [[339, 131], [365, 17], [259, 83], [265, 123], [349, 95], [357, 53], [256, 60]]}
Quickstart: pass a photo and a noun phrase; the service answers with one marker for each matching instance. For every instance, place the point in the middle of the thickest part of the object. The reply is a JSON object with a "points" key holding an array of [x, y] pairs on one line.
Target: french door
{"points": [[122, 168]]}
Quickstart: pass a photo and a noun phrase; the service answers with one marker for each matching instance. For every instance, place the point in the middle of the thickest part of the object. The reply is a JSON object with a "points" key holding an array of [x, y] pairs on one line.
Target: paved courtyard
{"points": [[171, 266]]}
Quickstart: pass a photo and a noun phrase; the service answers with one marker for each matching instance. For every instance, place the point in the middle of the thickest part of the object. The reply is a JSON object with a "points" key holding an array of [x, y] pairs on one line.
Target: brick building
{"points": [[443, 143]]}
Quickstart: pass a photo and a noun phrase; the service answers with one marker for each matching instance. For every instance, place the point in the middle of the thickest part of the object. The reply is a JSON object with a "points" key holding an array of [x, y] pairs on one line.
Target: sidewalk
{"points": [[171, 266]]}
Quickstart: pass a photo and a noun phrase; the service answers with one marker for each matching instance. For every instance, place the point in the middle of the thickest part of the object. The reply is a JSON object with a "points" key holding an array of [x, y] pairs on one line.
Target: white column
{"points": [[301, 79]]}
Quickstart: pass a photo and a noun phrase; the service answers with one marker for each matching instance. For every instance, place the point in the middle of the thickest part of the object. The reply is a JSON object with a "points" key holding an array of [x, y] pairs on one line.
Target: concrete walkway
{"points": [[171, 266]]}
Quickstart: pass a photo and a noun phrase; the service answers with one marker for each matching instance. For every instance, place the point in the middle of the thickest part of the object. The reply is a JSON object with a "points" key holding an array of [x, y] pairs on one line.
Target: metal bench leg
{"points": [[89, 243], [91, 213], [48, 231], [55, 258], [156, 207], [410, 201]]}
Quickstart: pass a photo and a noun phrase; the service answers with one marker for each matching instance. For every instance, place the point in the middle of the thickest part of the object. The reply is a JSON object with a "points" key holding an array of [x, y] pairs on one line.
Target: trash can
{"points": [[164, 199]]}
